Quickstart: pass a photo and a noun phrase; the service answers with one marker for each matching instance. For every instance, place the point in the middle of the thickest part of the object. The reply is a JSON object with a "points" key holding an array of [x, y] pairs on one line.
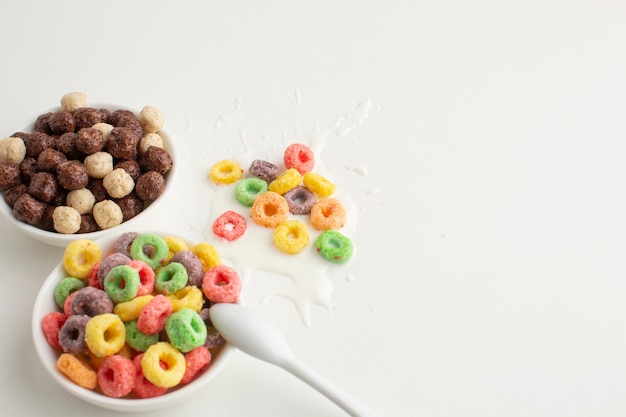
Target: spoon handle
{"points": [[327, 388]]}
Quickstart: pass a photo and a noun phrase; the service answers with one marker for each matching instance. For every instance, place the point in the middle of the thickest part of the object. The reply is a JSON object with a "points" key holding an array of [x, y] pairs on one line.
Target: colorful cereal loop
{"points": [[334, 246], [248, 189], [287, 180], [105, 334], [116, 376], [291, 236], [174, 360], [122, 283], [160, 250], [208, 255], [64, 288], [269, 210], [175, 244], [185, 330], [187, 297], [318, 184], [197, 360], [221, 284], [80, 256], [171, 278], [77, 371], [230, 225], [328, 213], [300, 157], [226, 172], [130, 310]]}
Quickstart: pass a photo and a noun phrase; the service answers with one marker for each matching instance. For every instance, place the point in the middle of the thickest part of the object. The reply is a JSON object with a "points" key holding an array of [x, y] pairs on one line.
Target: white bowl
{"points": [[44, 303], [61, 240]]}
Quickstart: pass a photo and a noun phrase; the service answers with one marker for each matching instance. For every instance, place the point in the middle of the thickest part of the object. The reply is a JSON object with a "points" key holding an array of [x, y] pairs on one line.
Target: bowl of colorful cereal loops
{"points": [[85, 170], [123, 323]]}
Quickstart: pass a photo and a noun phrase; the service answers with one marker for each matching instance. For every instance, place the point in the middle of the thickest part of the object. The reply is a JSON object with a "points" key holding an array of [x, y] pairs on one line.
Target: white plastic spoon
{"points": [[256, 336]]}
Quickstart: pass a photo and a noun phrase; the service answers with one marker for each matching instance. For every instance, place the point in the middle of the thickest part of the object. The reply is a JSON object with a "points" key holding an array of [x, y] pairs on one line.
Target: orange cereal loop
{"points": [[77, 371], [287, 180], [270, 209], [226, 172], [318, 184], [291, 236], [80, 256], [328, 214], [208, 255]]}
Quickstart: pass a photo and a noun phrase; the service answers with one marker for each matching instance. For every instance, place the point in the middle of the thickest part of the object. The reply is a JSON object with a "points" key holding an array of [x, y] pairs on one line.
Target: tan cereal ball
{"points": [[105, 128], [107, 214], [151, 119], [150, 139], [12, 150], [82, 200], [73, 101], [66, 220], [98, 164], [118, 183]]}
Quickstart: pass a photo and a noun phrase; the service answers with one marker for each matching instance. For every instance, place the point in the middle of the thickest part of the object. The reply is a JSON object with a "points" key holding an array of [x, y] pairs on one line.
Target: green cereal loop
{"points": [[186, 330], [248, 189], [171, 278], [122, 283], [334, 247], [138, 340], [157, 243], [64, 288]]}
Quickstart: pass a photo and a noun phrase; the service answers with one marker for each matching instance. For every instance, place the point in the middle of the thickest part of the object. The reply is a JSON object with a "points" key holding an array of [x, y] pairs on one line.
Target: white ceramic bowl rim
{"points": [[59, 239], [44, 304]]}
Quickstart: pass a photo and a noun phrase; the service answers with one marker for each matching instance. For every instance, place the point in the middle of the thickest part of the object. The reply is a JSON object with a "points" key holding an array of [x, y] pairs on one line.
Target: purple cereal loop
{"points": [[72, 334], [264, 170], [122, 245], [192, 264], [109, 263], [91, 301]]}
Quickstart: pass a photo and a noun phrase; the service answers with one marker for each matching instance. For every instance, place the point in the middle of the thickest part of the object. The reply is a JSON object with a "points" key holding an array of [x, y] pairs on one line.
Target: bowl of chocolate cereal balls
{"points": [[123, 322], [85, 170]]}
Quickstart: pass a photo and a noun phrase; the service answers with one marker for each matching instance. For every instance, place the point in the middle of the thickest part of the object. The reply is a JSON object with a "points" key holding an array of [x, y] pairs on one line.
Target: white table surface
{"points": [[489, 171]]}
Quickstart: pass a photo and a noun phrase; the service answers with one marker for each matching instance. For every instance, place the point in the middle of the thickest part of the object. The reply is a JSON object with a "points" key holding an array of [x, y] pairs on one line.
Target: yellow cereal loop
{"points": [[318, 184], [226, 172], [209, 256], [105, 334], [129, 310], [77, 370], [163, 376], [79, 256], [287, 180], [175, 245], [187, 297], [291, 236]]}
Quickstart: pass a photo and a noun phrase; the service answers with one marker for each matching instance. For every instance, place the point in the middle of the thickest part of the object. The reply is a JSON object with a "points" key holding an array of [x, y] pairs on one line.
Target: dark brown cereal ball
{"points": [[122, 143], [116, 115], [131, 205], [72, 175], [28, 209], [96, 186], [156, 159], [43, 186], [62, 122], [42, 123], [48, 160], [66, 143], [14, 193], [89, 140], [37, 142], [9, 175], [27, 168], [87, 224], [131, 166], [47, 220], [150, 185], [131, 122], [88, 116]]}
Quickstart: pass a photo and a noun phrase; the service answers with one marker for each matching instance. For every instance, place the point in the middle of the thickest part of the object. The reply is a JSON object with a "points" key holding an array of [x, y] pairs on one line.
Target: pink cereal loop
{"points": [[146, 276], [152, 318], [230, 225], [300, 157], [221, 284]]}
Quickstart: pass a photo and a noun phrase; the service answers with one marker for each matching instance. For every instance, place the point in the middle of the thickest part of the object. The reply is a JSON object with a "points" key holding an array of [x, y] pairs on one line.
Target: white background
{"points": [[490, 174]]}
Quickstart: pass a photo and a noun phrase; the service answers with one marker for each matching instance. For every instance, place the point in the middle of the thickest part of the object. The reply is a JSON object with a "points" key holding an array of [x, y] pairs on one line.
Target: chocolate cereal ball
{"points": [[14, 193], [43, 186], [72, 175], [37, 142], [96, 186], [156, 159], [9, 175], [88, 116], [89, 140], [130, 166], [88, 224], [131, 206], [28, 209], [123, 143], [27, 168], [48, 160], [66, 143], [42, 123], [116, 115], [150, 185], [61, 122]]}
